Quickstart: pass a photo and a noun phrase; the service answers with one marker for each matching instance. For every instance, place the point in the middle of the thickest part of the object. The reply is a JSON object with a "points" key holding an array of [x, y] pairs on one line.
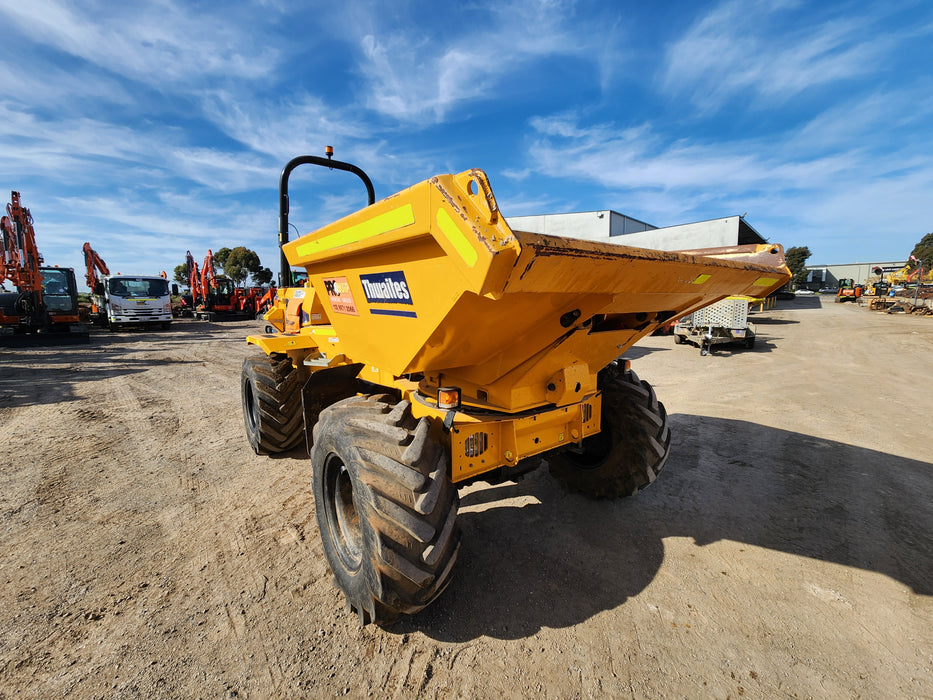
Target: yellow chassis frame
{"points": [[481, 443]]}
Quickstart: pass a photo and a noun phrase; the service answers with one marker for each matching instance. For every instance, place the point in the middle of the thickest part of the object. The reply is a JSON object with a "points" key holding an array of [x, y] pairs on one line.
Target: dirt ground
{"points": [[785, 551]]}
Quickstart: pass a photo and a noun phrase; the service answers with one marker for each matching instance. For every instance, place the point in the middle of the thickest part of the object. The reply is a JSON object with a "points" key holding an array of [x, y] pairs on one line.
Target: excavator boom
{"points": [[21, 258], [44, 307], [94, 264]]}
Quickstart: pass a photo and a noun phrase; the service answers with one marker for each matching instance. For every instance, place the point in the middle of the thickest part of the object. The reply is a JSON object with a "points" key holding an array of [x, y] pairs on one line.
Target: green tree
{"points": [[923, 251], [264, 276], [797, 262], [181, 274], [239, 263], [220, 257]]}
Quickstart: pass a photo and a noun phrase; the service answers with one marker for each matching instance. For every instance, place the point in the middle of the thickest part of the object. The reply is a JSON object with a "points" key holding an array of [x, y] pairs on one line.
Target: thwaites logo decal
{"points": [[341, 299], [387, 288]]}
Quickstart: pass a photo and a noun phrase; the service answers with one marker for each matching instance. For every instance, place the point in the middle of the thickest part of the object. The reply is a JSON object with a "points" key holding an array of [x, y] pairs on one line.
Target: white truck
{"points": [[132, 301]]}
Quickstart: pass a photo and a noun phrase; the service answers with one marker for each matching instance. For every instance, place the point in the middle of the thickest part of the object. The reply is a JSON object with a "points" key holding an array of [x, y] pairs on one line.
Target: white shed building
{"points": [[613, 227]]}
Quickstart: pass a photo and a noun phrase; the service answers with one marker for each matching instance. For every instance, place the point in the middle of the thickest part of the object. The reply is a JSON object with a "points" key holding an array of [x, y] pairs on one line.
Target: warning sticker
{"points": [[341, 299]]}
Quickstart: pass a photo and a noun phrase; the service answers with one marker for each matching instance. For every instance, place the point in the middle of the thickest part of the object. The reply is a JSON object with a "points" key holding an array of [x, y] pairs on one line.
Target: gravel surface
{"points": [[785, 551]]}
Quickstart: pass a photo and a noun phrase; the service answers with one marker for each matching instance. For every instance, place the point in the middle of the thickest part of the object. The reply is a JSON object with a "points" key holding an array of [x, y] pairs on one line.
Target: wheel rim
{"points": [[343, 519]]}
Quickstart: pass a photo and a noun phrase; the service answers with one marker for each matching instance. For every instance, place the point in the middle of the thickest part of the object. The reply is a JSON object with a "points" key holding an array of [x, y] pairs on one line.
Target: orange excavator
{"points": [[266, 301], [219, 292], [43, 309], [215, 297], [94, 264], [193, 275]]}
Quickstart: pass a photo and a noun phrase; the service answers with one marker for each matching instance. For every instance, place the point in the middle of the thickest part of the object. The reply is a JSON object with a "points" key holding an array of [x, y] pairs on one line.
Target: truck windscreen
{"points": [[138, 287]]}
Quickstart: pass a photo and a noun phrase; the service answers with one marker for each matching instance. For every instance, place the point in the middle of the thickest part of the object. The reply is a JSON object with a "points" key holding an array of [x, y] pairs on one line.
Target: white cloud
{"points": [[752, 50], [638, 158], [283, 128], [414, 76], [851, 188], [148, 231], [161, 42], [223, 171], [52, 87]]}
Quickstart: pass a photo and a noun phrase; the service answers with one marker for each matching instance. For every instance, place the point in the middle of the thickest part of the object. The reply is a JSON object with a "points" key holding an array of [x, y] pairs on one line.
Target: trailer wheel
{"points": [[679, 339], [385, 506], [271, 398], [629, 452]]}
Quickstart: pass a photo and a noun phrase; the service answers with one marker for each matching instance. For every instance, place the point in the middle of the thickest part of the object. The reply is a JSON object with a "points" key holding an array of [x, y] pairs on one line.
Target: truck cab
{"points": [[49, 316], [133, 301]]}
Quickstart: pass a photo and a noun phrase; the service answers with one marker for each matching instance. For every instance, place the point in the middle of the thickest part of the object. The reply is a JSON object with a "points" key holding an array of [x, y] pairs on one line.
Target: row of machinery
{"points": [[214, 297], [432, 346]]}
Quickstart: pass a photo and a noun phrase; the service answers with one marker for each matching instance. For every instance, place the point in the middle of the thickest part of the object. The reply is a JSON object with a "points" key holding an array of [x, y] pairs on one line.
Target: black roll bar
{"points": [[285, 274]]}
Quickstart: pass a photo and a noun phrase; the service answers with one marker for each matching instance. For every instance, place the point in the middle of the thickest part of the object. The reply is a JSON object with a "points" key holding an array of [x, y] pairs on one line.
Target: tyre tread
{"points": [[276, 389], [640, 436], [406, 502]]}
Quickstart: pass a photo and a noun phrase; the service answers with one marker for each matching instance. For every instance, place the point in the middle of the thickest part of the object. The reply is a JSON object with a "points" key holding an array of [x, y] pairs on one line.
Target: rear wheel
{"points": [[631, 448], [271, 399], [385, 506]]}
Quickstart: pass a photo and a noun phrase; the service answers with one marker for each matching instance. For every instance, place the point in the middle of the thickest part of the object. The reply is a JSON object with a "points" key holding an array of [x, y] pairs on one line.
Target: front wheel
{"points": [[631, 448], [270, 392], [385, 506]]}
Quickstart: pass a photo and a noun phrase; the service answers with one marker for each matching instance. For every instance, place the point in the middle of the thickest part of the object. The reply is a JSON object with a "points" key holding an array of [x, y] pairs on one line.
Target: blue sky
{"points": [[153, 128]]}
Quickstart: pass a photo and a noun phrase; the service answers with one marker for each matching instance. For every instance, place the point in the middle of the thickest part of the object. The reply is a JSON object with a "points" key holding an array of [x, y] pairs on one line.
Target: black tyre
{"points": [[630, 450], [385, 506], [749, 342], [271, 398], [679, 339]]}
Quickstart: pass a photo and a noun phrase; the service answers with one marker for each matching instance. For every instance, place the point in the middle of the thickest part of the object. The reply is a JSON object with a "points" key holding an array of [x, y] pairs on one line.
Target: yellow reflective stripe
{"points": [[765, 281], [323, 330], [701, 279], [389, 221], [460, 243]]}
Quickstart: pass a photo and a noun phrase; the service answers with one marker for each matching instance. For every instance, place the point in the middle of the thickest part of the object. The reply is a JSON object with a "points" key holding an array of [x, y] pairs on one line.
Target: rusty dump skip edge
{"points": [[769, 254], [766, 258]]}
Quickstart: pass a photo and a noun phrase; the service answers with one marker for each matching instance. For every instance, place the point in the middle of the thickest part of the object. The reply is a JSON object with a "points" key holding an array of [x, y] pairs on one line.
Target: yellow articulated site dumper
{"points": [[432, 346]]}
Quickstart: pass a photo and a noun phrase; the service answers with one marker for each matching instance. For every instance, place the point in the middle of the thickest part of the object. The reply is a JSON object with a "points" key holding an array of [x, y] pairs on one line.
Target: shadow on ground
{"points": [[563, 559], [52, 374], [803, 301]]}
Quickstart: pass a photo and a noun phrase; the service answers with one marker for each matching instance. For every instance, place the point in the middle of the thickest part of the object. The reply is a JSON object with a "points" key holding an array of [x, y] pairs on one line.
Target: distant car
{"points": [[829, 290], [898, 288], [805, 292]]}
